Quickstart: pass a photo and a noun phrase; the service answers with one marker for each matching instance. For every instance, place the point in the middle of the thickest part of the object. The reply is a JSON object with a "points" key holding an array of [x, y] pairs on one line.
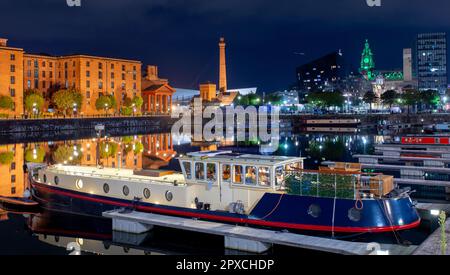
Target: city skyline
{"points": [[181, 38]]}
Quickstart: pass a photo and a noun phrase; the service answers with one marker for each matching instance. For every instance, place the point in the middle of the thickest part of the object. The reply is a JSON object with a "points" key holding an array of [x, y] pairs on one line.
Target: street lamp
{"points": [[74, 108], [106, 109], [134, 109], [35, 109]]}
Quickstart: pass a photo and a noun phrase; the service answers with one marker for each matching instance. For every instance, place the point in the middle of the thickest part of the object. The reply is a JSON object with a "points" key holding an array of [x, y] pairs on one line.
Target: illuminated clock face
{"points": [[366, 60]]}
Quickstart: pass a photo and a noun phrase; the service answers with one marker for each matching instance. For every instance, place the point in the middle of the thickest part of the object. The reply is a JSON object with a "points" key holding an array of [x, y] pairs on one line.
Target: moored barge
{"points": [[262, 191]]}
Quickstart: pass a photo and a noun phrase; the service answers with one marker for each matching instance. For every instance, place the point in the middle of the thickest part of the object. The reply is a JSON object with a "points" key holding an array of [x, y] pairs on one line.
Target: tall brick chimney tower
{"points": [[223, 67]]}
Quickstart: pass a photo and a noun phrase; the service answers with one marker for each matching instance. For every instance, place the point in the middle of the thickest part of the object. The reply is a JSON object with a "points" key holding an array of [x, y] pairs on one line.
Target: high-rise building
{"points": [[324, 73], [432, 61]]}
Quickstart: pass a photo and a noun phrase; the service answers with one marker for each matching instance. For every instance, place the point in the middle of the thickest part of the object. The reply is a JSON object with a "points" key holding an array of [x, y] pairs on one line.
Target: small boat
{"points": [[17, 203], [262, 191]]}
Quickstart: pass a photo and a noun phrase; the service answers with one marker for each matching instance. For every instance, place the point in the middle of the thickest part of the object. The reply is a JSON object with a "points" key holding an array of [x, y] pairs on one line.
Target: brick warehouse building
{"points": [[93, 76]]}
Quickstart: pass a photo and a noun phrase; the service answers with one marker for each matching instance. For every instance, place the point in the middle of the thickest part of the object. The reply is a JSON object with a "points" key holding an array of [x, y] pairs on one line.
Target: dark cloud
{"points": [[181, 35]]}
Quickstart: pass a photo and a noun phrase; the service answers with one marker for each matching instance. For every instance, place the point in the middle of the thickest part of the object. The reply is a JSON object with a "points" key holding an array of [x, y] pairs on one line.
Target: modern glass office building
{"points": [[432, 61]]}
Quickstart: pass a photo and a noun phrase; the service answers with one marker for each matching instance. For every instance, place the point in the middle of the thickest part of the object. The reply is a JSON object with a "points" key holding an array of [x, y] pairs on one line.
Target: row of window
{"points": [[237, 174], [125, 190], [66, 64], [100, 85], [100, 75]]}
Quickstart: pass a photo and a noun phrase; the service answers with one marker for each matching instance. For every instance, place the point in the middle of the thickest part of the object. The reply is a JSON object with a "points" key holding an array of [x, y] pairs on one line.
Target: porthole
{"points": [[314, 210], [354, 214], [79, 184], [106, 188], [126, 190], [45, 178], [147, 193], [56, 180], [169, 196]]}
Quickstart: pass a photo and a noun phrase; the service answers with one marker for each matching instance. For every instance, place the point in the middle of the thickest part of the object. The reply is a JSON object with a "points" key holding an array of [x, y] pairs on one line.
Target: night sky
{"points": [[264, 37]]}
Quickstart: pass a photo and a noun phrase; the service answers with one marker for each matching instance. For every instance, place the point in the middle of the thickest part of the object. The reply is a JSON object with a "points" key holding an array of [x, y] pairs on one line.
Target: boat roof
{"points": [[236, 158], [113, 173]]}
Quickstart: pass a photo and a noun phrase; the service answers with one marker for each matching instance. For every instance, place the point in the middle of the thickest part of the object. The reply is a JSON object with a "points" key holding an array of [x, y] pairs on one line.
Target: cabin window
{"points": [[45, 178], [187, 169], [293, 166], [56, 180], [106, 188], [250, 175], [199, 171], [169, 196], [79, 184], [264, 176], [147, 193], [211, 173], [237, 177], [226, 174], [126, 190], [279, 175]]}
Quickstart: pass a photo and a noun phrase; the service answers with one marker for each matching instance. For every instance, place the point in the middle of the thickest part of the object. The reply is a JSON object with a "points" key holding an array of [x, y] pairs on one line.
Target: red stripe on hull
{"points": [[238, 220]]}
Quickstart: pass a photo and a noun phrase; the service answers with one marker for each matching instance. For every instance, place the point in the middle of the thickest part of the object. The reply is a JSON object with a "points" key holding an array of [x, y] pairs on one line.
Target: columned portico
{"points": [[159, 99]]}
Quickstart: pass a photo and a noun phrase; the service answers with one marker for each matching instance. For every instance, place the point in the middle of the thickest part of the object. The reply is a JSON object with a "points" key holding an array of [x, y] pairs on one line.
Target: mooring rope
{"points": [[275, 208]]}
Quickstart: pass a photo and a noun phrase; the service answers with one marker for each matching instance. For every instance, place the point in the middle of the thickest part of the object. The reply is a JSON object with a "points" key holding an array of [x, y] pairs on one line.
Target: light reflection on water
{"points": [[52, 231]]}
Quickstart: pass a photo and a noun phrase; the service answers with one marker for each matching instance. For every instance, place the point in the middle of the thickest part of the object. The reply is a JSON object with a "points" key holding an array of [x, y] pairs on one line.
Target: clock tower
{"points": [[367, 63]]}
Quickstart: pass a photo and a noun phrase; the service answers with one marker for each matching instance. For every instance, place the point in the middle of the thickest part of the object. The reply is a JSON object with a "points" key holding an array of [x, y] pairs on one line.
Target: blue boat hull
{"points": [[273, 211]]}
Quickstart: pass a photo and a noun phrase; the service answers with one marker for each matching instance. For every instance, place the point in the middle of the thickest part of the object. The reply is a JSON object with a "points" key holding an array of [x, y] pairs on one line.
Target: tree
{"points": [[68, 154], [274, 99], [105, 102], [389, 97], [108, 149], [326, 99], [316, 99], [34, 102], [250, 99], [431, 98], [67, 99], [410, 98], [34, 155], [6, 102], [6, 158], [130, 106], [370, 97], [138, 102]]}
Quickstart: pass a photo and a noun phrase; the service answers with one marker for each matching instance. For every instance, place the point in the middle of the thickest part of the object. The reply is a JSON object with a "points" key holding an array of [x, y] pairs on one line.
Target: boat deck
{"points": [[115, 173]]}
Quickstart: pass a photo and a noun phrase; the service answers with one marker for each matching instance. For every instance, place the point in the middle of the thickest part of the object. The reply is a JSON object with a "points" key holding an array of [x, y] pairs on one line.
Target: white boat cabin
{"points": [[239, 170]]}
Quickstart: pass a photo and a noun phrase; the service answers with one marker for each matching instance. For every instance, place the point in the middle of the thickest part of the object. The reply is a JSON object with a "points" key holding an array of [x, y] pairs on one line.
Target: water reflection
{"points": [[94, 235]]}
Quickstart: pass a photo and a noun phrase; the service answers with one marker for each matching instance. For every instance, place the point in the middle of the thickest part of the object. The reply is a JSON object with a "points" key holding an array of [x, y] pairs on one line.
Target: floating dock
{"points": [[247, 238]]}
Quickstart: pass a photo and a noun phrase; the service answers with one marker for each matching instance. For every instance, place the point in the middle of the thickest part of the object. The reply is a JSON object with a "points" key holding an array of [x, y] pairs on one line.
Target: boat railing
{"points": [[115, 177], [334, 184]]}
